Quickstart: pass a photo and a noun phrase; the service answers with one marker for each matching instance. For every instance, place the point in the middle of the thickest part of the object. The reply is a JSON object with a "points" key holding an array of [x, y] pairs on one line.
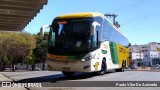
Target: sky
{"points": [[139, 19]]}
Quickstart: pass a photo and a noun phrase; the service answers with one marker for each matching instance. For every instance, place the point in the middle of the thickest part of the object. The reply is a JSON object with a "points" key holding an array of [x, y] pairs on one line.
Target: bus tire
{"points": [[121, 69], [103, 68], [68, 73]]}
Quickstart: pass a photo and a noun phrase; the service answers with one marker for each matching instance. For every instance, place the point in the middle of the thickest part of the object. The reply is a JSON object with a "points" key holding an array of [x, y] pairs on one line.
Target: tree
{"points": [[40, 51], [3, 62], [4, 48], [29, 60], [15, 45]]}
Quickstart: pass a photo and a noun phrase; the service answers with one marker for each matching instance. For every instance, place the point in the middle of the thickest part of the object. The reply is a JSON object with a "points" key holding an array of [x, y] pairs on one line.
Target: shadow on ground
{"points": [[58, 77]]}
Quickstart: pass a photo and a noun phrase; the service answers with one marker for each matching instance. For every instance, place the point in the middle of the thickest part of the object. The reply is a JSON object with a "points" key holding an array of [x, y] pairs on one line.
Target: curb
{"points": [[8, 77], [12, 80], [145, 70]]}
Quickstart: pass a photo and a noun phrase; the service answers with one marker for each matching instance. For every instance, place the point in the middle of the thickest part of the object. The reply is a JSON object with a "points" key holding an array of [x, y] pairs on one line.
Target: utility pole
{"points": [[114, 19]]}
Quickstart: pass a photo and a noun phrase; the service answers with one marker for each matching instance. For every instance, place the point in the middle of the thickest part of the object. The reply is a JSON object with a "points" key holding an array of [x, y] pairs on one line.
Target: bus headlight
{"points": [[88, 58]]}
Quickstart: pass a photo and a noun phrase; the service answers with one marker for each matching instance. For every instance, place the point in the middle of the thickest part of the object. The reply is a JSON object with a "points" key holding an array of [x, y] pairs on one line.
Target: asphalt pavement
{"points": [[52, 78]]}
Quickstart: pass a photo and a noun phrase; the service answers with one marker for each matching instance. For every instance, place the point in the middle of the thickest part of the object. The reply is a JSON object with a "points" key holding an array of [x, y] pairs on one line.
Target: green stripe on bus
{"points": [[113, 51]]}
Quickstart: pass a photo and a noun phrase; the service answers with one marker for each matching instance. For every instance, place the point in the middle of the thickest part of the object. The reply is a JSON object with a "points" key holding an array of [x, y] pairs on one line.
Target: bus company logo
{"points": [[6, 84], [11, 84], [96, 65]]}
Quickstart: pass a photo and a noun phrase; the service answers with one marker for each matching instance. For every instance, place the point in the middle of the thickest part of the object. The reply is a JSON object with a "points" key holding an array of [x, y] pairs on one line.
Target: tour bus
{"points": [[85, 42]]}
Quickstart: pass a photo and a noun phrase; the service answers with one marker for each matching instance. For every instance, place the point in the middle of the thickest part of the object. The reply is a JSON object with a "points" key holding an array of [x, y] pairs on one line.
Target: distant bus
{"points": [[86, 42]]}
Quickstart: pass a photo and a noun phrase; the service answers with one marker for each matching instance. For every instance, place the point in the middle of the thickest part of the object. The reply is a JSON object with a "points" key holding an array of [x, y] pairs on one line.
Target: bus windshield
{"points": [[70, 36]]}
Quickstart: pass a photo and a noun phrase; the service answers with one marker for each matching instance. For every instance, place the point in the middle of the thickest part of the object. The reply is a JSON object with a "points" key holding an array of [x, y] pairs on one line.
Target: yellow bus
{"points": [[86, 42]]}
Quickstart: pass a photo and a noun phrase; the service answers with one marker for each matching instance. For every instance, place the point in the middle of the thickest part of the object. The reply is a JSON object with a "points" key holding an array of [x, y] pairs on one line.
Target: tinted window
{"points": [[70, 36]]}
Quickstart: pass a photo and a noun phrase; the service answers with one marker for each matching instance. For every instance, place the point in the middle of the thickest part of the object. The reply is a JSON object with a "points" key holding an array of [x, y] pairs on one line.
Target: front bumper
{"points": [[77, 66]]}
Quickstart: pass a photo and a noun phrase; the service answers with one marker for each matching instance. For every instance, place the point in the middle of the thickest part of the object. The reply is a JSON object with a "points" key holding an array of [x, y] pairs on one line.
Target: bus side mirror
{"points": [[129, 45], [42, 29], [93, 27]]}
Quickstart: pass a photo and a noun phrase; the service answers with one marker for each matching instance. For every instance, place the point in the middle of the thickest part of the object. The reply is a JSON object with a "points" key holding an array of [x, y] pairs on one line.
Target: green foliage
{"points": [[22, 47], [40, 51], [14, 45], [29, 60]]}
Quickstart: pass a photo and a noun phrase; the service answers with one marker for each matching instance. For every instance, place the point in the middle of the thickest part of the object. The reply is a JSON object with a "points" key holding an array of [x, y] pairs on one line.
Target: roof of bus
{"points": [[79, 15], [86, 14]]}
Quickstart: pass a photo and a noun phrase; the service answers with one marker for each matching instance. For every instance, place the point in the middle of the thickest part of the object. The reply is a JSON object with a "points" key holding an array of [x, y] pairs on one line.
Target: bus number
{"points": [[121, 50]]}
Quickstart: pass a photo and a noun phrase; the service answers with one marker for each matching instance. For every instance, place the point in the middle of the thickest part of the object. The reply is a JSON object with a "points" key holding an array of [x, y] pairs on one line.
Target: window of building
{"points": [[144, 47], [146, 55]]}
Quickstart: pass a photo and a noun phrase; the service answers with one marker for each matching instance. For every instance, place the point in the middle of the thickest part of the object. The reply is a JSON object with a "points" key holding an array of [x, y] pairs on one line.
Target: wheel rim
{"points": [[123, 65]]}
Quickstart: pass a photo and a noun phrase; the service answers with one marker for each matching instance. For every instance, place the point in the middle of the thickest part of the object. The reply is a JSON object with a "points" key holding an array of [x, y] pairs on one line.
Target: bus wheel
{"points": [[68, 73], [122, 68], [103, 68]]}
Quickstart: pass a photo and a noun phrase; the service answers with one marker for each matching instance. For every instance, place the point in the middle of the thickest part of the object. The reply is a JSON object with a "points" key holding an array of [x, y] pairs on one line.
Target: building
{"points": [[136, 58], [149, 47], [146, 54], [135, 55], [149, 58]]}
